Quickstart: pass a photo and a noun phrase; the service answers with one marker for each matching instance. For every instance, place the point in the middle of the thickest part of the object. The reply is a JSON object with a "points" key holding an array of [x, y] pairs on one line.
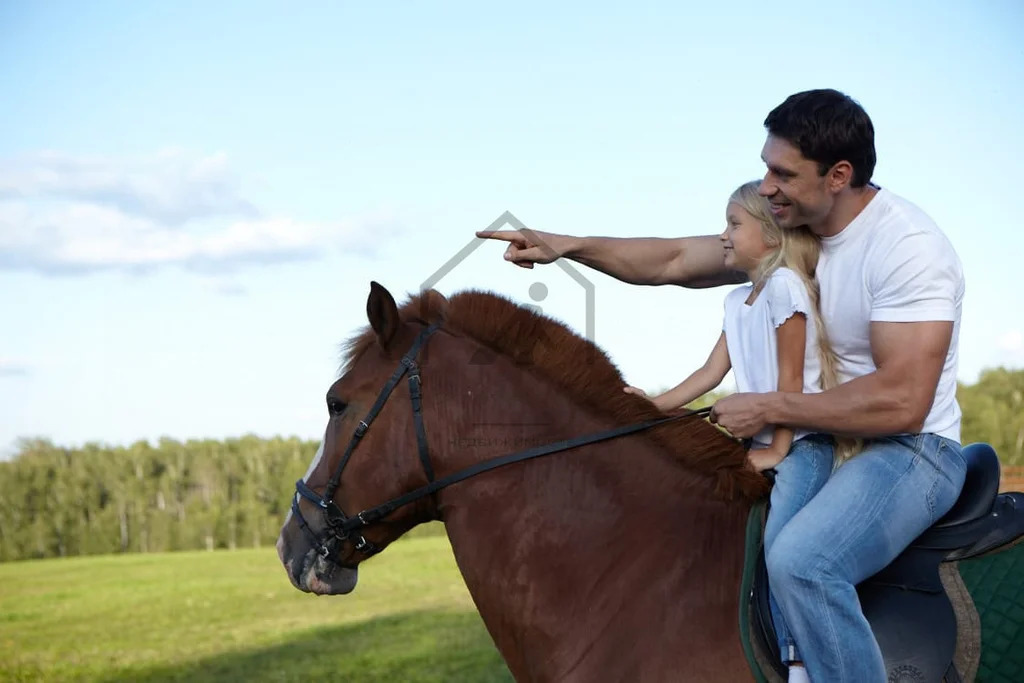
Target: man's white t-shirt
{"points": [[750, 337], [892, 264]]}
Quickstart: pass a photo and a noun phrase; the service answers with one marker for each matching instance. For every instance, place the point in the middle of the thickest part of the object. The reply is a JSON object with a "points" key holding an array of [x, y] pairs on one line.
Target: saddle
{"points": [[908, 603]]}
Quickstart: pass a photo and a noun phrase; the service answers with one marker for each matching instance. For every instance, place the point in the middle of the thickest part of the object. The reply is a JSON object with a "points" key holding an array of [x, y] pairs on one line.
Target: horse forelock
{"points": [[580, 369]]}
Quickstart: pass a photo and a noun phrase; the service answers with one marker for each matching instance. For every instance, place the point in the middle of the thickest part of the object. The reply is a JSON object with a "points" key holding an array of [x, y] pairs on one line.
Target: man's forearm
{"points": [[686, 261], [866, 406]]}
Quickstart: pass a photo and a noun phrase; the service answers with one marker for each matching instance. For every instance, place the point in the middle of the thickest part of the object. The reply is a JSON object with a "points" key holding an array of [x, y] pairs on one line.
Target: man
{"points": [[891, 293]]}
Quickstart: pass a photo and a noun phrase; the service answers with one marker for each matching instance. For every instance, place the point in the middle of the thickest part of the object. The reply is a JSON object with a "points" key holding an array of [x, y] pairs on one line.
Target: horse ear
{"points": [[382, 313], [433, 305]]}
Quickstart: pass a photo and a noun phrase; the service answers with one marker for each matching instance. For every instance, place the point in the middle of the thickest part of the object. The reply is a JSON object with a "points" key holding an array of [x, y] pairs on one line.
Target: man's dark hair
{"points": [[827, 127]]}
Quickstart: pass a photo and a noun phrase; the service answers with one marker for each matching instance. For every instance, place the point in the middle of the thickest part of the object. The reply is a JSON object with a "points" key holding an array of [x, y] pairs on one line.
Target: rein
{"points": [[341, 527]]}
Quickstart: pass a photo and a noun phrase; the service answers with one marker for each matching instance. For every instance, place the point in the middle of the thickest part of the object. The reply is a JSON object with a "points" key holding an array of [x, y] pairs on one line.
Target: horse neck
{"points": [[575, 553]]}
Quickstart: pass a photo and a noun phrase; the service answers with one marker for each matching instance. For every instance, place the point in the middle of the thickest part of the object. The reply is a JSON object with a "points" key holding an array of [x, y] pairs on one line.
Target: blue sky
{"points": [[195, 196]]}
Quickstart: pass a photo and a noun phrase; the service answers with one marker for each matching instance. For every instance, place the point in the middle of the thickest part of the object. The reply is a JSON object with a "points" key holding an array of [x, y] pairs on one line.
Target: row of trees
{"points": [[56, 502]]}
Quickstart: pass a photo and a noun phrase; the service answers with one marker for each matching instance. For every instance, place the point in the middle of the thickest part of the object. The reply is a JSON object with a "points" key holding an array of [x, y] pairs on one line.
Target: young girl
{"points": [[770, 345]]}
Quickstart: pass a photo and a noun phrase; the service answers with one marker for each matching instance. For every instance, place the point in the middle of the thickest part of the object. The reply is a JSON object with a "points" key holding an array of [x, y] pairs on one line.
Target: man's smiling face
{"points": [[796, 191]]}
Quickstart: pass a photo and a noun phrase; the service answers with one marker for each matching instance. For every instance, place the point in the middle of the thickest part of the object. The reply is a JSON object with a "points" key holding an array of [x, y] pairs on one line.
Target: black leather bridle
{"points": [[340, 527]]}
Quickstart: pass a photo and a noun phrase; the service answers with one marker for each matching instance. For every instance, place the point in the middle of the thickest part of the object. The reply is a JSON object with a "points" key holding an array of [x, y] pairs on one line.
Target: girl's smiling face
{"points": [[742, 239]]}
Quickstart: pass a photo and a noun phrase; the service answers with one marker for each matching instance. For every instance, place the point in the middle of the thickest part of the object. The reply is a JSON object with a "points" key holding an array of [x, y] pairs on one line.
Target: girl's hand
{"points": [[762, 459], [658, 401]]}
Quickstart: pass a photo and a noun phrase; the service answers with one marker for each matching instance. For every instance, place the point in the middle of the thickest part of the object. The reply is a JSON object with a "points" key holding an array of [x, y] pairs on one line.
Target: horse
{"points": [[618, 558]]}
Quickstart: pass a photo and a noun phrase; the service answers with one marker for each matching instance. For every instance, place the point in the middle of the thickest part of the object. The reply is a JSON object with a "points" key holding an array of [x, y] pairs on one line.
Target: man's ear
{"points": [[839, 176]]}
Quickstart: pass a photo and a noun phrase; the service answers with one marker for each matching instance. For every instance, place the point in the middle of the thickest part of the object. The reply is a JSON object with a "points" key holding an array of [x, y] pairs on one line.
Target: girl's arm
{"points": [[791, 339], [705, 379]]}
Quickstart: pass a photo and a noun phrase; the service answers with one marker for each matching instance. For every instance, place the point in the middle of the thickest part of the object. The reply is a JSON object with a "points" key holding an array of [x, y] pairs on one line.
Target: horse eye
{"points": [[335, 407]]}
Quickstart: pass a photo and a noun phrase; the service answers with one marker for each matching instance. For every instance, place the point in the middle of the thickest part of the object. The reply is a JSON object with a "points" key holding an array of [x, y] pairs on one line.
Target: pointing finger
{"points": [[506, 235]]}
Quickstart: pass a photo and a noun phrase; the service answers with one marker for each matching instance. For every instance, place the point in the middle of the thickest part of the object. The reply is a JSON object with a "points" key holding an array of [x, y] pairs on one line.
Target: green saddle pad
{"points": [[996, 583], [752, 545]]}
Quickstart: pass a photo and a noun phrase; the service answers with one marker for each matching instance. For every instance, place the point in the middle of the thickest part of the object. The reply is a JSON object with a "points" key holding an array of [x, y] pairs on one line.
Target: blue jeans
{"points": [[798, 478], [867, 513]]}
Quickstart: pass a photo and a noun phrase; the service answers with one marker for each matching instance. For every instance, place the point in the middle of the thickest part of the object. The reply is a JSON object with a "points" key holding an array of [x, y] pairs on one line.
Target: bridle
{"points": [[340, 527]]}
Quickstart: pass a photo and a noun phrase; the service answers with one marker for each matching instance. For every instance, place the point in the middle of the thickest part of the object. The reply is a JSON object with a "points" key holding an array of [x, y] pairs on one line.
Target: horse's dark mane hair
{"points": [[582, 371]]}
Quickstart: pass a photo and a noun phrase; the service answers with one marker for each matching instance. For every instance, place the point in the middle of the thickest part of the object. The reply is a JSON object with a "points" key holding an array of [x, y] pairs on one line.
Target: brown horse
{"points": [[615, 561]]}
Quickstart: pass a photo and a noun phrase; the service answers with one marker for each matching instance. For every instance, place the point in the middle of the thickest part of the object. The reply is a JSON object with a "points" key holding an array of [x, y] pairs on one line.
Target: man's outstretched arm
{"points": [[684, 261]]}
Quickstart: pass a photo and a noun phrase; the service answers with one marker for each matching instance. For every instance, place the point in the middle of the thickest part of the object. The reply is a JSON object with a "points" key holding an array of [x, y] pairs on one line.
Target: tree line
{"points": [[57, 502]]}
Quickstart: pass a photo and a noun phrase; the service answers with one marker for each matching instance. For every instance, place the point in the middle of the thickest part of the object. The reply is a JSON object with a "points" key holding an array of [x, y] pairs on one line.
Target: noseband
{"points": [[340, 527]]}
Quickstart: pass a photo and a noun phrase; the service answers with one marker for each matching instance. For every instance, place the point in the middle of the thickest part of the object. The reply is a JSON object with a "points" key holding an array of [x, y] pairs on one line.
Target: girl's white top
{"points": [[753, 347]]}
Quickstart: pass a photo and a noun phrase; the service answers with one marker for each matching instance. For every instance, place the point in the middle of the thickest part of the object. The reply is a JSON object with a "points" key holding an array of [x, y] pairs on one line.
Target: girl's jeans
{"points": [[798, 478]]}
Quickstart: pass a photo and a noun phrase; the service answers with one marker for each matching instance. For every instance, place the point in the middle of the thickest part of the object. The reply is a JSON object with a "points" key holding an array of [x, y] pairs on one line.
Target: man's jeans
{"points": [[867, 513], [801, 474]]}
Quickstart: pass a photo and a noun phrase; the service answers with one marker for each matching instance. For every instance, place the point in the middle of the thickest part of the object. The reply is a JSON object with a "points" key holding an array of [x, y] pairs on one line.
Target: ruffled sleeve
{"points": [[787, 295]]}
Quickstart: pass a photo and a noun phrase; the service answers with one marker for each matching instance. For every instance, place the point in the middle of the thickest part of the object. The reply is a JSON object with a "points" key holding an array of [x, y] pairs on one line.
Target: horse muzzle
{"points": [[310, 572], [323, 577]]}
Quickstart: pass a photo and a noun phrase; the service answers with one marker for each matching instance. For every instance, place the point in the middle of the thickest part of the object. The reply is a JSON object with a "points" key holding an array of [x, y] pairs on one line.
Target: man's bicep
{"points": [[915, 344], [910, 357], [700, 262]]}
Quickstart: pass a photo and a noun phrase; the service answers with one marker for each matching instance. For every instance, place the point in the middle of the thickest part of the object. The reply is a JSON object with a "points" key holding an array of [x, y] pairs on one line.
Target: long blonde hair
{"points": [[797, 249]]}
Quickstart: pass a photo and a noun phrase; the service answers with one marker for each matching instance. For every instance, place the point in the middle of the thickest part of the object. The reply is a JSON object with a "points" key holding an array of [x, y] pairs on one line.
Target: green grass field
{"points": [[233, 616]]}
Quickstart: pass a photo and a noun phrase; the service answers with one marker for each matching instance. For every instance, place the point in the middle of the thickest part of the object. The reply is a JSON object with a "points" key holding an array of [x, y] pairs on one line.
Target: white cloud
{"points": [[13, 367], [170, 188], [63, 215]]}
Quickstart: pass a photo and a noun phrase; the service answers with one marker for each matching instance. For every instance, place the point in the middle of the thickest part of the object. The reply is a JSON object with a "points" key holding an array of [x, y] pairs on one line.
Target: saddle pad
{"points": [[996, 583], [752, 546]]}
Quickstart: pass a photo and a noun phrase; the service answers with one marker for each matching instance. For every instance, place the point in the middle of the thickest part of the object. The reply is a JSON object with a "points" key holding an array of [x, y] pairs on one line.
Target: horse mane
{"points": [[584, 372]]}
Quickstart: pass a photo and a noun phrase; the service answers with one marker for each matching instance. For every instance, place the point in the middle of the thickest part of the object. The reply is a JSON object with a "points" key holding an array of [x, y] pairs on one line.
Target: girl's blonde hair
{"points": [[797, 249]]}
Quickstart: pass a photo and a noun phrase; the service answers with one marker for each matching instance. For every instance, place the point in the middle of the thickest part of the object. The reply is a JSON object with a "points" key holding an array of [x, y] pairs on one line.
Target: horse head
{"points": [[320, 543]]}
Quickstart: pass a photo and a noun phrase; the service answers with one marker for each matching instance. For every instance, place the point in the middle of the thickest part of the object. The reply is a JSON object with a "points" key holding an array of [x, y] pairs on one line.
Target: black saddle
{"points": [[906, 604]]}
